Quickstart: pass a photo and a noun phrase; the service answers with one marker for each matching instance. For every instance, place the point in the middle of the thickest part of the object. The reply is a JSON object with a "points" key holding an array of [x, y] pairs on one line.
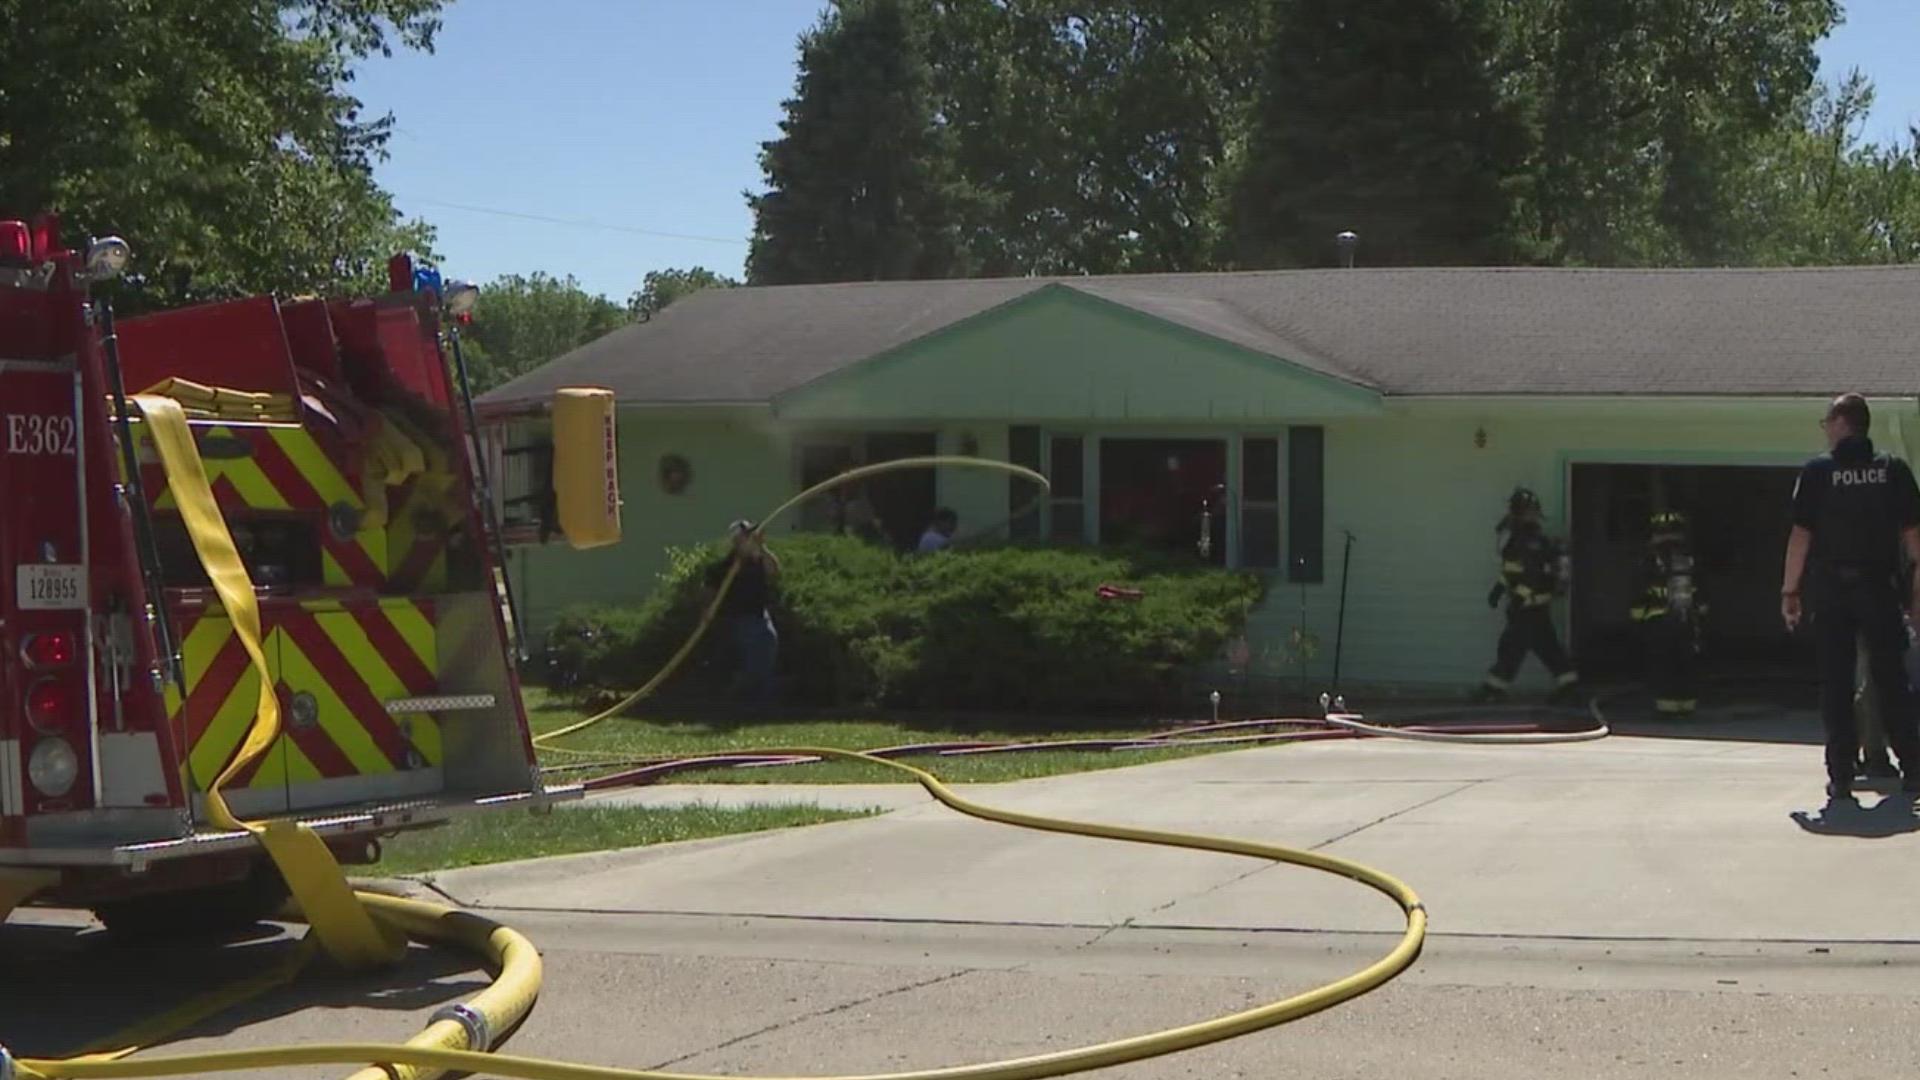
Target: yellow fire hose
{"points": [[362, 929]]}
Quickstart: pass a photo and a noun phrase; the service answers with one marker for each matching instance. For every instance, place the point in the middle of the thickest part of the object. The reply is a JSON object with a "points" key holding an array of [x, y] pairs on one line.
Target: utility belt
{"points": [[1852, 574], [1526, 597]]}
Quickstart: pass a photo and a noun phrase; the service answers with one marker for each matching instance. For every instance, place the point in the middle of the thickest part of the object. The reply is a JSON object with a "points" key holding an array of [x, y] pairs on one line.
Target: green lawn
{"points": [[652, 738], [501, 836]]}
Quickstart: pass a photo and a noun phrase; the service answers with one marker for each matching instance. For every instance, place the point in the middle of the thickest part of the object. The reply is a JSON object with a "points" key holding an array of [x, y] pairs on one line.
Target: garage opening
{"points": [[1739, 518]]}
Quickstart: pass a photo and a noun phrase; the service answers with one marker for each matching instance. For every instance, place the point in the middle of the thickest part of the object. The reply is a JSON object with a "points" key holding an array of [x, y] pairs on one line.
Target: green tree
{"points": [[1819, 196], [1652, 117], [662, 287], [217, 136], [521, 323], [1384, 117], [861, 185], [1096, 131]]}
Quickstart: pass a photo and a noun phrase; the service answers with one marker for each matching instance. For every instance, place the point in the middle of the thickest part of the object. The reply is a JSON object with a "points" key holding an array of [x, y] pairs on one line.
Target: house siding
{"points": [[741, 465], [1422, 500], [1410, 484]]}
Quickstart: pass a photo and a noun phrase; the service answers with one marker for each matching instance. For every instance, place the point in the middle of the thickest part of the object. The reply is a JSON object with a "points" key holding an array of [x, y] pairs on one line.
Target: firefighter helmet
{"points": [[1523, 501], [1668, 523]]}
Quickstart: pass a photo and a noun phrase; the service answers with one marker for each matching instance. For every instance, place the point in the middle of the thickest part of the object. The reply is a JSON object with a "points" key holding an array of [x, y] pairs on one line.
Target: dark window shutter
{"points": [[1260, 503], [1306, 504], [1023, 502]]}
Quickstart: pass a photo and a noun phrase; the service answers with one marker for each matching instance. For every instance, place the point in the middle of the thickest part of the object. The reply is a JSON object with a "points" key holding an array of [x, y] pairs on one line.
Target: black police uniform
{"points": [[1856, 502], [1671, 611], [1530, 577]]}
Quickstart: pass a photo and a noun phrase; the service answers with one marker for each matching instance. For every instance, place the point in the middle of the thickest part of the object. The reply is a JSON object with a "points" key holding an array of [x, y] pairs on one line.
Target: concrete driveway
{"points": [[1624, 908]]}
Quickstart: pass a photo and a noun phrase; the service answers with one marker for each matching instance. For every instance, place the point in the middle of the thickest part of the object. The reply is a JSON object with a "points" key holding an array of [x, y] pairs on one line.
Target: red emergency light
{"points": [[16, 243], [49, 706], [48, 650], [46, 236]]}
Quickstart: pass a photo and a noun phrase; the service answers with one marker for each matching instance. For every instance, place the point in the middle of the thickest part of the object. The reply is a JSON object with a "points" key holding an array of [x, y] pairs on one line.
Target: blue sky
{"points": [[627, 120]]}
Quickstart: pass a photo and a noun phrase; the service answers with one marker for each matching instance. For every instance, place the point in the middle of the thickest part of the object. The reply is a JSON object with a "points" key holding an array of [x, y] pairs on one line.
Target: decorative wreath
{"points": [[675, 474]]}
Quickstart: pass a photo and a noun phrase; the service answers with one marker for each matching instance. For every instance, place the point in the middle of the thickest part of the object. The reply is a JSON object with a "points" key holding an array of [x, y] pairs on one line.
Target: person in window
{"points": [[744, 611], [858, 519], [939, 534]]}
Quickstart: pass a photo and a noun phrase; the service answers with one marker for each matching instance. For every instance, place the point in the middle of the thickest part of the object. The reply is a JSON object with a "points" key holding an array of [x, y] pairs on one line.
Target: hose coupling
{"points": [[471, 1020]]}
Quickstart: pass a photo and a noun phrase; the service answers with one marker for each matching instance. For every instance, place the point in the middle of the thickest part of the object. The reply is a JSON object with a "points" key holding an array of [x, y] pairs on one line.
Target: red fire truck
{"points": [[340, 451]]}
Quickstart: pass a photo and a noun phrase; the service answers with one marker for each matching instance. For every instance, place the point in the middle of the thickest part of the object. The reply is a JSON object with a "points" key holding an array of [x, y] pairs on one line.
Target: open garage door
{"points": [[1739, 516]]}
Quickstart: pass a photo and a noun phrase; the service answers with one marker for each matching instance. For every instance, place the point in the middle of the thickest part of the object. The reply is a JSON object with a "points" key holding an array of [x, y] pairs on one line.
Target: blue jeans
{"points": [[758, 646]]}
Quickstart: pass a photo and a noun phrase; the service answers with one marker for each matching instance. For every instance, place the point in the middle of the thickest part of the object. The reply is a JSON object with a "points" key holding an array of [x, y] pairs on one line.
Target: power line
{"points": [[575, 223]]}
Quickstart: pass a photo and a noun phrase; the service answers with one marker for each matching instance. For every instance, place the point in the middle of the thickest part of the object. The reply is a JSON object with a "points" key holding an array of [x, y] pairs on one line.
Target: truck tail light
{"points": [[48, 650], [53, 767], [16, 243], [49, 705]]}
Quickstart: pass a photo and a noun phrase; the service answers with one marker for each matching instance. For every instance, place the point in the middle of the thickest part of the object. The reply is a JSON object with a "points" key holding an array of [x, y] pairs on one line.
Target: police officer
{"points": [[1670, 610], [1532, 572], [1854, 510]]}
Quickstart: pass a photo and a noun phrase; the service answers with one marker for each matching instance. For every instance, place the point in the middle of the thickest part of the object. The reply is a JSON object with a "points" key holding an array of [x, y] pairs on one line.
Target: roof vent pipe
{"points": [[1344, 244]]}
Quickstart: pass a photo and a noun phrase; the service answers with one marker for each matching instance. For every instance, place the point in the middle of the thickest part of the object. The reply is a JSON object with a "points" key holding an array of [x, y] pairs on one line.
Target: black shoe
{"points": [[1879, 769], [1839, 792], [1565, 695], [1487, 695], [1911, 784]]}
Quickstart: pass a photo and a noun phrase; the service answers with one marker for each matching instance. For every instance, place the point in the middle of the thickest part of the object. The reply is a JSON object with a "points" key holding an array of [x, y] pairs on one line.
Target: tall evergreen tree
{"points": [[1384, 117], [861, 183]]}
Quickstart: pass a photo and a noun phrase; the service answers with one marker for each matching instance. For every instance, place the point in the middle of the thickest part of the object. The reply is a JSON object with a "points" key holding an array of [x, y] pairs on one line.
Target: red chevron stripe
{"points": [[226, 496], [347, 684], [413, 569], [216, 684], [393, 648], [282, 473]]}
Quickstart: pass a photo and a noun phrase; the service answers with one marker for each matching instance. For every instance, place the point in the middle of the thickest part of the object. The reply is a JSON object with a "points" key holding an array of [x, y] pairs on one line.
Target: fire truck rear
{"points": [[339, 451]]}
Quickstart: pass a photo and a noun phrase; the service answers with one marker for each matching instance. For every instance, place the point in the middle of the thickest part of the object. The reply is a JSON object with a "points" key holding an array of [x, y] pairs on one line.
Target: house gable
{"points": [[1059, 354]]}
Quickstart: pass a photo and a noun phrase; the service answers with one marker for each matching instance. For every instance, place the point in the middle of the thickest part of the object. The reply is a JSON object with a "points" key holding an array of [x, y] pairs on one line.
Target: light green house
{"points": [[1356, 428]]}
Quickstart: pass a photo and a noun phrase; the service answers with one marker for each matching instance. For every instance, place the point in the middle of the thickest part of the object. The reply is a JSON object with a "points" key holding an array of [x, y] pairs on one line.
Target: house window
{"points": [[821, 461], [1260, 503], [1162, 493], [902, 502], [1306, 509], [1066, 496]]}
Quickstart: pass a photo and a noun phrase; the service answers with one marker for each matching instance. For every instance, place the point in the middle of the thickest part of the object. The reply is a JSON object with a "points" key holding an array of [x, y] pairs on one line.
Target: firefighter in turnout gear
{"points": [[1671, 610], [1533, 570]]}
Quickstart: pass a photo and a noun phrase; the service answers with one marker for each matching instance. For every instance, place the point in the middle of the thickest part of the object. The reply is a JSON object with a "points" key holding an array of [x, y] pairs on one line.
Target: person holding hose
{"points": [[1854, 512]]}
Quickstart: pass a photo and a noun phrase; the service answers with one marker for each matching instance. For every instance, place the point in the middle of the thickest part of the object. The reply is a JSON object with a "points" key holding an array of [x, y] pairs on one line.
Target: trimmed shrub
{"points": [[1007, 628]]}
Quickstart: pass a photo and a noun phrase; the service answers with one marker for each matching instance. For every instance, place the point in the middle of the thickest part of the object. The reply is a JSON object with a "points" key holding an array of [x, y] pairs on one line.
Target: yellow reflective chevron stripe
{"points": [[248, 481], [335, 717], [345, 928], [314, 467]]}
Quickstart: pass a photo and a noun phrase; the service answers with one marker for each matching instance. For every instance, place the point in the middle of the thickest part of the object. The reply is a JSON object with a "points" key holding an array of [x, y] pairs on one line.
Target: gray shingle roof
{"points": [[1403, 332]]}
